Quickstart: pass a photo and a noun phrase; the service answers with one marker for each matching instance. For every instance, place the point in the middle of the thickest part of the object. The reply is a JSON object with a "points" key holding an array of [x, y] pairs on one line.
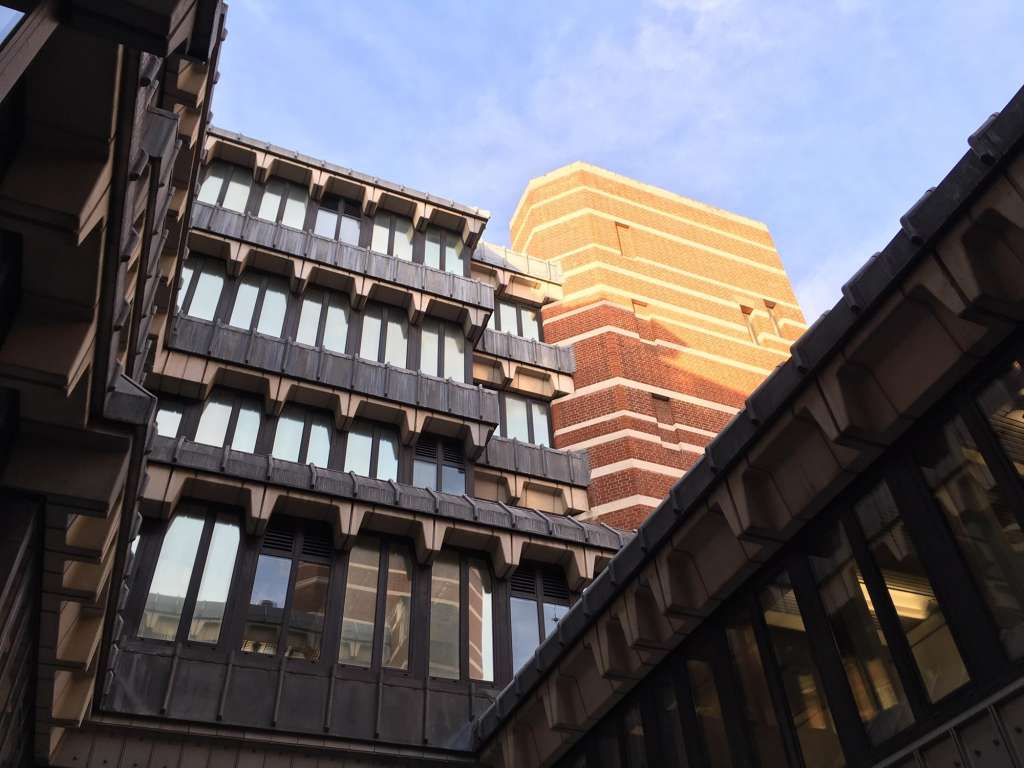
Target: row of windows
{"points": [[516, 319], [199, 565], [308, 436], [285, 202], [871, 627]]}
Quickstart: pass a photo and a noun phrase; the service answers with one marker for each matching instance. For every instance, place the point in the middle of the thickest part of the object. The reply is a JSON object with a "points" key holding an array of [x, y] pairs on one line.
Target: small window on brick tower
{"points": [[749, 320], [663, 410], [625, 237], [770, 306]]}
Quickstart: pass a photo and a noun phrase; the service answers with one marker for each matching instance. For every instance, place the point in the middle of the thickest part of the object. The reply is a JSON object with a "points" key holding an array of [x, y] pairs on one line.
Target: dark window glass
{"points": [[935, 652], [539, 600], [760, 712], [982, 521], [862, 644], [633, 731], [804, 692], [669, 721], [708, 707], [202, 281], [266, 604], [439, 465]]}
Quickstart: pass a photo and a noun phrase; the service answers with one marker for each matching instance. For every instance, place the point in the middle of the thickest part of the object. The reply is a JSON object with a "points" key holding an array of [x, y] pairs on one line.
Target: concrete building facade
{"points": [[676, 310]]}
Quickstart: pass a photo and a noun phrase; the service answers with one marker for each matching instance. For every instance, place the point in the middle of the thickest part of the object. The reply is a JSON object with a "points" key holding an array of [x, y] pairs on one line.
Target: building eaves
{"points": [[399, 189], [990, 146]]}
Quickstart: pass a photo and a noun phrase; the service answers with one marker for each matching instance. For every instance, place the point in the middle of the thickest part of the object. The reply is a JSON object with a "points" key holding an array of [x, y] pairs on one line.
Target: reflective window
{"points": [[525, 419], [199, 292], [516, 319], [439, 465], [670, 723], [226, 185], [371, 450], [392, 234], [284, 202], [981, 519], [444, 616], [389, 346], [264, 298], [230, 419], [862, 645], [812, 719], [529, 320], [266, 604], [397, 609], [442, 350], [247, 429], [309, 603], [270, 203], [338, 219], [288, 437], [935, 652], [213, 423], [168, 419], [481, 622], [525, 630], [323, 321], [303, 435], [633, 733], [443, 250], [208, 615], [167, 590], [294, 213], [708, 707], [539, 599], [360, 610]]}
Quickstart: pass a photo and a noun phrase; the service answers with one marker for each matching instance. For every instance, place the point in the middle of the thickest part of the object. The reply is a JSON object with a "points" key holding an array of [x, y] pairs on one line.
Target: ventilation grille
{"points": [[555, 587], [523, 581], [452, 452], [426, 448], [280, 537], [317, 541]]}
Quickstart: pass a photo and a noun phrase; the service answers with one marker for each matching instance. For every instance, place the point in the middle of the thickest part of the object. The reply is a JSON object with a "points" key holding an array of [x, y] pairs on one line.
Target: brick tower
{"points": [[677, 311]]}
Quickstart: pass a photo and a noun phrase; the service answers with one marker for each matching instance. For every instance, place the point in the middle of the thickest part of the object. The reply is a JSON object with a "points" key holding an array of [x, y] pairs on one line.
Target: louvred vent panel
{"points": [[280, 536], [523, 581], [555, 587], [426, 448], [316, 541]]}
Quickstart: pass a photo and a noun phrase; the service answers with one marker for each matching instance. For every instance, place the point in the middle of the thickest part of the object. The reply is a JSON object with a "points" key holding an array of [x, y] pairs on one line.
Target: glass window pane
{"points": [[481, 623], [862, 645], [369, 344], [357, 451], [287, 438], [275, 302], [266, 604], [429, 342], [515, 419], [381, 232], [207, 294], [709, 712], [336, 328], [213, 588], [168, 419], [245, 303], [309, 321], [270, 203], [1003, 404], [183, 283], [553, 613], [804, 692], [387, 457], [507, 317], [453, 480], [360, 612], [541, 429], [398, 610], [424, 474], [318, 452], [982, 522], [210, 190], [525, 633], [326, 223], [923, 622], [444, 616], [167, 591], [237, 194], [247, 429], [454, 354], [761, 723], [432, 250], [531, 328], [403, 238], [453, 261], [213, 424], [294, 207], [492, 321], [306, 619], [669, 721], [636, 747], [395, 351], [349, 230]]}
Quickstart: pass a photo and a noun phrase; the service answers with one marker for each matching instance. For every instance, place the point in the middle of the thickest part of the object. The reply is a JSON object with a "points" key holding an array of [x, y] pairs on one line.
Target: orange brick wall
{"points": [[676, 310]]}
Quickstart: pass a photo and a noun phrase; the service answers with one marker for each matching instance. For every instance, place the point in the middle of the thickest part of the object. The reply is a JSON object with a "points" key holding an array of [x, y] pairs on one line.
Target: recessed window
{"points": [[226, 185], [363, 589], [229, 418], [385, 335], [444, 616], [304, 436], [337, 218], [392, 234], [371, 450], [211, 541], [294, 562], [516, 319], [442, 349], [202, 281], [444, 250], [168, 419], [324, 320], [284, 202], [262, 298], [708, 706], [439, 465], [539, 599], [525, 419]]}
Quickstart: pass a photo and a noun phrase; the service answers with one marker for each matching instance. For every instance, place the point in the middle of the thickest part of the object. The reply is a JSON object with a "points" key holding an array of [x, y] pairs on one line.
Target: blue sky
{"points": [[826, 119]]}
